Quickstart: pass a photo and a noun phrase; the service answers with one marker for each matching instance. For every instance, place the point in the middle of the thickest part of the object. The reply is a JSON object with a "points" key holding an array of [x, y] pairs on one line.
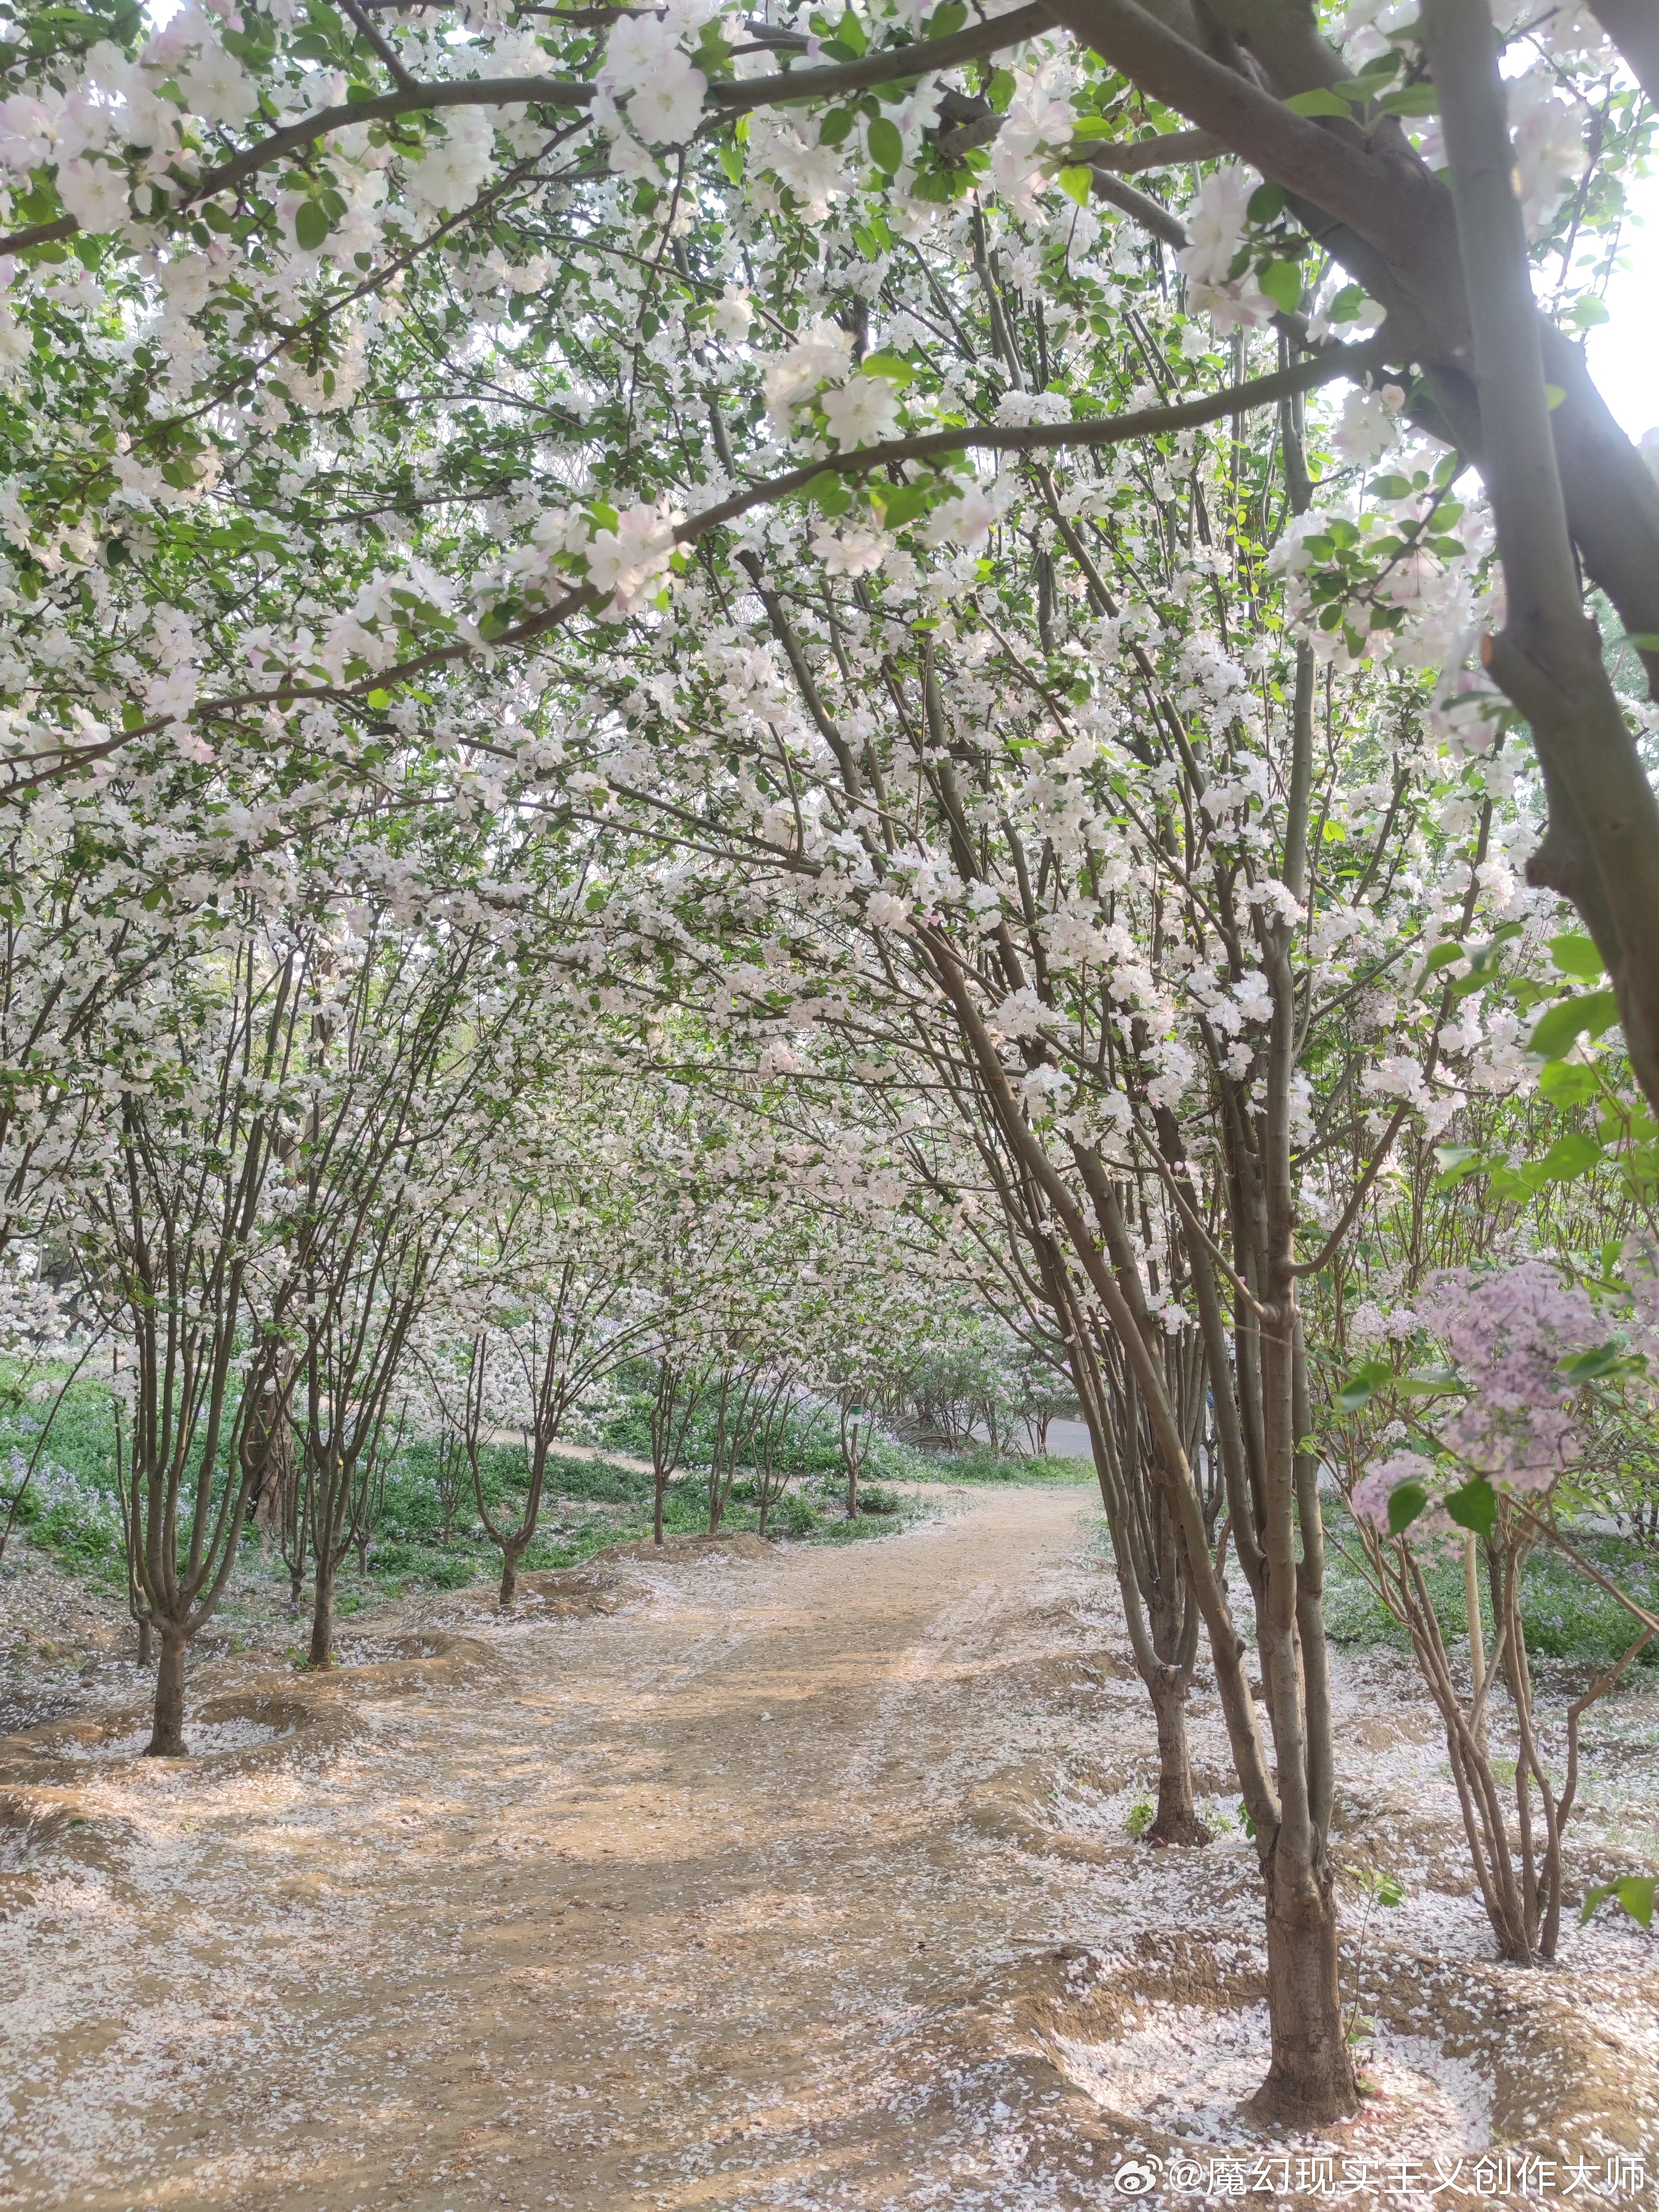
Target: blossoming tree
{"points": [[556, 459]]}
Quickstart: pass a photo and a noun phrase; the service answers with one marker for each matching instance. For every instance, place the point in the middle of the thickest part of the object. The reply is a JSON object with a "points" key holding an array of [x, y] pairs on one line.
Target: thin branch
{"points": [[891, 65]]}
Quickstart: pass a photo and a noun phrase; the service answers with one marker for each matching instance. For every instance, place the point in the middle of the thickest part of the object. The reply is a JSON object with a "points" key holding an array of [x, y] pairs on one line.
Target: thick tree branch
{"points": [[1377, 209], [1633, 27], [1547, 659], [893, 65], [1139, 207], [27, 773], [1322, 367]]}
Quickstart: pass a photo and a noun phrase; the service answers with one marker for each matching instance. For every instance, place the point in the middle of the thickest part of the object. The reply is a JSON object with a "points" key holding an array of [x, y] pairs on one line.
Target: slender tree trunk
{"points": [[272, 1450], [146, 1648], [509, 1576], [1477, 1649], [322, 1611], [167, 1734], [660, 1484], [1177, 1820], [1311, 2077]]}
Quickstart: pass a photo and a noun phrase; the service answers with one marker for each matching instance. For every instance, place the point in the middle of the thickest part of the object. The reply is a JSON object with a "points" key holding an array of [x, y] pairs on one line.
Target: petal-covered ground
{"points": [[754, 1878]]}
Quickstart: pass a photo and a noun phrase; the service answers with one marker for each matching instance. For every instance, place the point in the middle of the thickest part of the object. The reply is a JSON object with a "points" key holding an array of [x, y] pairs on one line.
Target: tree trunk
{"points": [[168, 1735], [1311, 2081], [146, 1649], [509, 1576], [322, 1613], [271, 1448], [659, 1485], [1177, 1821]]}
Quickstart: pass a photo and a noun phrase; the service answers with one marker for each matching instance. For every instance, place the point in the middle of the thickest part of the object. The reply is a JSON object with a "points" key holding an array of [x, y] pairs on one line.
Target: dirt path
{"points": [[799, 1881], [657, 1911]]}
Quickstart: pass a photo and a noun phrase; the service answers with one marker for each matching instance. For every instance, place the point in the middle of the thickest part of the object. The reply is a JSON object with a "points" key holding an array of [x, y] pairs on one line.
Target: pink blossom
{"points": [[1508, 1334]]}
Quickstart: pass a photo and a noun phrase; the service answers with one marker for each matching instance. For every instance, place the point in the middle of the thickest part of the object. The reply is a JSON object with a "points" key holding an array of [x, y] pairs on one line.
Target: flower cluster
{"points": [[1507, 1331]]}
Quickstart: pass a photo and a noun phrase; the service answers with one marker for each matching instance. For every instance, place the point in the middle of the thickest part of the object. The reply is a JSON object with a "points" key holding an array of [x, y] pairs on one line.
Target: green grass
{"points": [[70, 1511], [988, 1467], [1565, 1616]]}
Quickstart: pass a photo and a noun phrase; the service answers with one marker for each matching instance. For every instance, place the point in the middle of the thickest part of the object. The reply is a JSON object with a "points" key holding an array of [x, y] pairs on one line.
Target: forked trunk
{"points": [[1310, 2082], [167, 1734], [322, 1613], [1177, 1820]]}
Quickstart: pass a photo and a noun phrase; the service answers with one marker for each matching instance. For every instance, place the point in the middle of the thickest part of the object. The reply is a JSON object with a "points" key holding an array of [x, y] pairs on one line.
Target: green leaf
{"points": [[1075, 182], [1347, 307], [831, 492], [1634, 1893], [1282, 282], [1357, 1390], [379, 701], [1388, 487], [1410, 100], [1567, 1083], [1561, 1027], [1406, 1501], [1506, 1183], [835, 127], [947, 19], [731, 162], [1265, 202], [1589, 311], [1644, 640], [1319, 102], [886, 146], [1456, 1161], [1474, 1506], [1570, 1156], [850, 33], [892, 366], [310, 225], [900, 504], [1575, 954], [1443, 956], [1591, 1366]]}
